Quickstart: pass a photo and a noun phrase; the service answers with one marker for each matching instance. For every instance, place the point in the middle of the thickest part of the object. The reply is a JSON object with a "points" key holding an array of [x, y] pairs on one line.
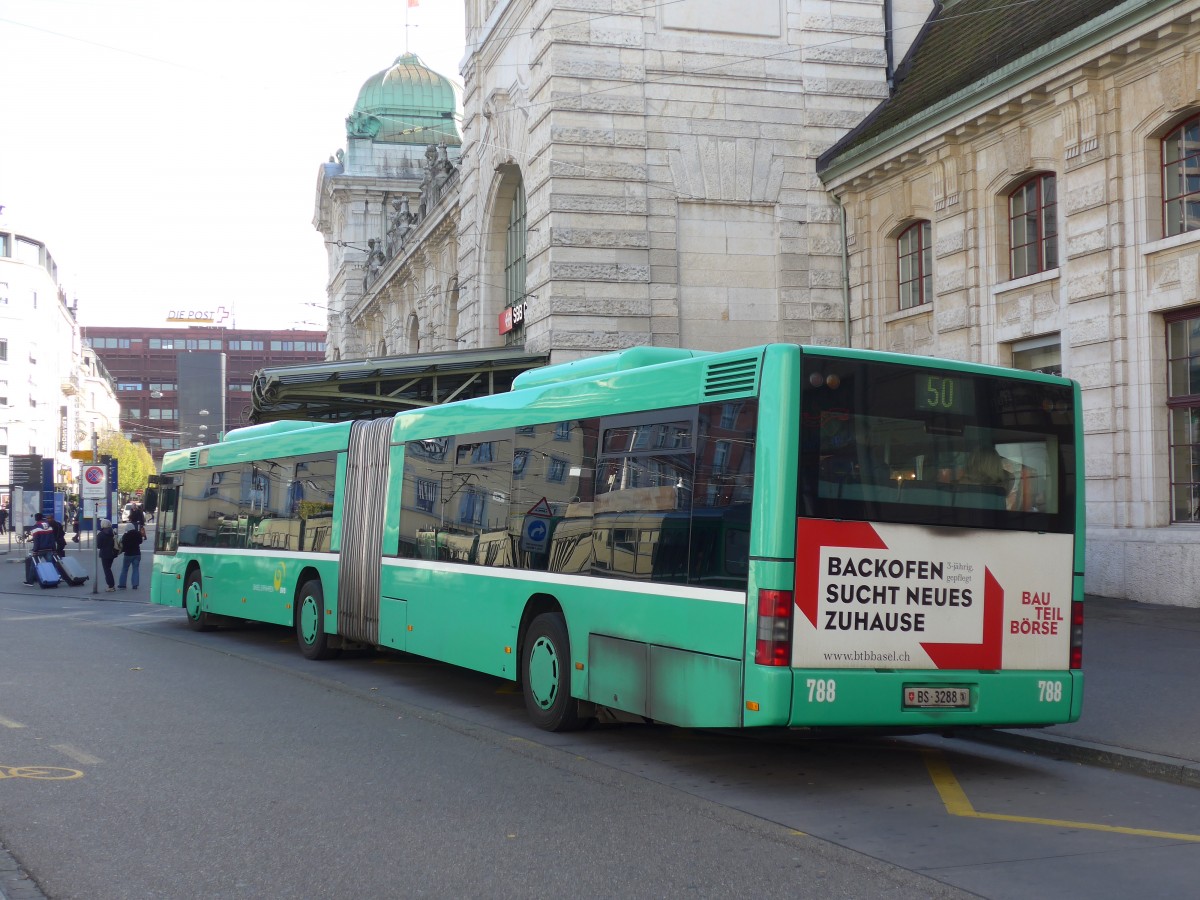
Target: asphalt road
{"points": [[225, 765]]}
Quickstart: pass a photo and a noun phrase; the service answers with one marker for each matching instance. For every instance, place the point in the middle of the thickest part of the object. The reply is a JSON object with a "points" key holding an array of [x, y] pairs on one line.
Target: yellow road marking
{"points": [[40, 773], [76, 754], [9, 723], [957, 804]]}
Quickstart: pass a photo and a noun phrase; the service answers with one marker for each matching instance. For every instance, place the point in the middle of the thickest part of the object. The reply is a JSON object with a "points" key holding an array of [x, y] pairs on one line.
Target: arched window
{"points": [[914, 258], [414, 334], [1033, 227], [514, 268], [383, 348], [452, 313], [1181, 178]]}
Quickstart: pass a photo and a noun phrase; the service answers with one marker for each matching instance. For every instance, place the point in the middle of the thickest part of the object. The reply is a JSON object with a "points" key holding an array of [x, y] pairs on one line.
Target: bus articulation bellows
{"points": [[778, 536]]}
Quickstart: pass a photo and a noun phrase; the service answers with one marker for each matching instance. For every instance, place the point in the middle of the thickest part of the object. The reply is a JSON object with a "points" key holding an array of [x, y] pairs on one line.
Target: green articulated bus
{"points": [[781, 536]]}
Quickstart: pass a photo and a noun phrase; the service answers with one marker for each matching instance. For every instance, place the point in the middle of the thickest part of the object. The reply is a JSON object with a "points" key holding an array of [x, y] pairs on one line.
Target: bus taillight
{"points": [[774, 644], [1076, 634]]}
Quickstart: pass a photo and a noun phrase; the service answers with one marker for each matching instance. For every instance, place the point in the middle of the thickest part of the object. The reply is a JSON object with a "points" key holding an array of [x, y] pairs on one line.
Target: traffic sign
{"points": [[535, 534], [85, 455], [95, 482], [541, 508]]}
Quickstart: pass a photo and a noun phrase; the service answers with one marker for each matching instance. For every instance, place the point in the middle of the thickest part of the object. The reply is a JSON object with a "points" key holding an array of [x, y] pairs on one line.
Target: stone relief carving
{"points": [[438, 177], [375, 260], [1070, 120], [362, 125], [1177, 92], [399, 225], [1017, 154], [1080, 123], [730, 169]]}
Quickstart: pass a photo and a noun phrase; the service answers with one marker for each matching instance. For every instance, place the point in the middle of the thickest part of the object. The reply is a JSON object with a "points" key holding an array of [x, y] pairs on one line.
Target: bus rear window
{"points": [[899, 443]]}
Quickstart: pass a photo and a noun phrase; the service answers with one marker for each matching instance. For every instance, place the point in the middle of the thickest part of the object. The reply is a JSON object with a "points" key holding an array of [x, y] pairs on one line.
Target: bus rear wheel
{"points": [[546, 675], [310, 622], [193, 595]]}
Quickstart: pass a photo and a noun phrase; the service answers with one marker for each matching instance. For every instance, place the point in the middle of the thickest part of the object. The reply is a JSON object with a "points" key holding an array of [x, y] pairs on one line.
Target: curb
{"points": [[15, 882], [1150, 765]]}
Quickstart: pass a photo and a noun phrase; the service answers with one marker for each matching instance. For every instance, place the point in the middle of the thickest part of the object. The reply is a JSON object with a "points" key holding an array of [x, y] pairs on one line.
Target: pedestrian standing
{"points": [[106, 546], [138, 517], [131, 549], [60, 534], [3, 519]]}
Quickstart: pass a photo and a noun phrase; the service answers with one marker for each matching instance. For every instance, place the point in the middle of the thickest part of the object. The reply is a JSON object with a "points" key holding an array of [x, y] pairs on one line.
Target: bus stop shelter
{"points": [[374, 388]]}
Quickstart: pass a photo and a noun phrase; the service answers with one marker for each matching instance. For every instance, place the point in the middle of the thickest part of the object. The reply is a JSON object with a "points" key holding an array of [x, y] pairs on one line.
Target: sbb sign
{"points": [[512, 317]]}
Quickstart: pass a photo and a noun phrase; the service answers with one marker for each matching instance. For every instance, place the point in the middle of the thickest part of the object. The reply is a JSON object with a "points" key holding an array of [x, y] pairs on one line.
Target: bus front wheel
{"points": [[310, 622], [193, 595], [546, 672]]}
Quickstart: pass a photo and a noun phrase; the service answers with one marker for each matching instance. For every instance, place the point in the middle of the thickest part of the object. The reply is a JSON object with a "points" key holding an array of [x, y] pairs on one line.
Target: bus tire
{"points": [[310, 622], [193, 594], [546, 675]]}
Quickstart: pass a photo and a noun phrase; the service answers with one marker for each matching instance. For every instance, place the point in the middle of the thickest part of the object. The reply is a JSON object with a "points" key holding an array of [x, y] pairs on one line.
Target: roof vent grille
{"points": [[736, 376], [194, 459]]}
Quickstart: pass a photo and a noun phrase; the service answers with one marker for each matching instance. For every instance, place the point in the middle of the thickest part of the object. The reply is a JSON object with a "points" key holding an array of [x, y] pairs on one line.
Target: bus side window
{"points": [[719, 551]]}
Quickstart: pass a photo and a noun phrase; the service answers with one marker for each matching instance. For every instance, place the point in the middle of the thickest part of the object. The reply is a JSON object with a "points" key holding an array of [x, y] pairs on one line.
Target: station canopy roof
{"points": [[383, 386]]}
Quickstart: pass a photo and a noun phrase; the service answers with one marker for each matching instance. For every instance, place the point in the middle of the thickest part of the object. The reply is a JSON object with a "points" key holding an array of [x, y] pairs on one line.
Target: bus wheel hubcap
{"points": [[543, 672], [308, 620], [193, 601]]}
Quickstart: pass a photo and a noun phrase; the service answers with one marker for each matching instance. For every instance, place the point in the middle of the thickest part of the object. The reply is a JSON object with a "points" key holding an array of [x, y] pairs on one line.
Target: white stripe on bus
{"points": [[656, 589], [272, 554]]}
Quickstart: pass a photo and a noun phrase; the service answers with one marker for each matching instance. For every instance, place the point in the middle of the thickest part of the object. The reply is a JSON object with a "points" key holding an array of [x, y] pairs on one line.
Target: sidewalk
{"points": [[12, 564], [1141, 694]]}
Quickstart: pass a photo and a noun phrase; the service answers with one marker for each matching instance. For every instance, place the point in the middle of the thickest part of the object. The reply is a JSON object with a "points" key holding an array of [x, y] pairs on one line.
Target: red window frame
{"points": [[914, 259], [1033, 226], [1180, 157], [1183, 412]]}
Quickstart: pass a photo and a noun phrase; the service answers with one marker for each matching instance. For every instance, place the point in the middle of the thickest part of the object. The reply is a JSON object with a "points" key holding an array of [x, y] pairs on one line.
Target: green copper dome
{"points": [[406, 104]]}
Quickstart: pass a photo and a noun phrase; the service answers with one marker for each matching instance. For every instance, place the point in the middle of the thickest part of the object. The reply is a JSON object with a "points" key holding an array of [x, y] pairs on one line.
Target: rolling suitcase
{"points": [[46, 572], [71, 569]]}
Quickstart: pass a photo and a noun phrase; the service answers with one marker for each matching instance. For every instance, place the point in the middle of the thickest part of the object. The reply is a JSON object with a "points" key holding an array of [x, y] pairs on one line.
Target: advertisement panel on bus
{"points": [[874, 595]]}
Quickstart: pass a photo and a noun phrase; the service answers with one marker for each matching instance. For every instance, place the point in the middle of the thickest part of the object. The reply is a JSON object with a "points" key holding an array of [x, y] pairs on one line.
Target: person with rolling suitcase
{"points": [[39, 569]]}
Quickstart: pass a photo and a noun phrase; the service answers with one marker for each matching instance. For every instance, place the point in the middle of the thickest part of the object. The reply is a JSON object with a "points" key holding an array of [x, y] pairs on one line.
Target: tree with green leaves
{"points": [[134, 463]]}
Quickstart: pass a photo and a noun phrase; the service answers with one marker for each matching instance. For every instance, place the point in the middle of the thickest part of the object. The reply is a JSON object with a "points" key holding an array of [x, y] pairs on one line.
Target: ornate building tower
{"points": [[392, 261]]}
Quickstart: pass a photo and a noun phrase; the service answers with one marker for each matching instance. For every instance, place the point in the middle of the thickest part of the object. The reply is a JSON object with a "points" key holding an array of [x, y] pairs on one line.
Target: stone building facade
{"points": [[1043, 211], [663, 157], [629, 175], [967, 180]]}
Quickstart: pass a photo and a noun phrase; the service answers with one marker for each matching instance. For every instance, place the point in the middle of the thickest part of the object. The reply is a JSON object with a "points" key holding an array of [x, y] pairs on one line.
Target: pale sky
{"points": [[167, 151]]}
